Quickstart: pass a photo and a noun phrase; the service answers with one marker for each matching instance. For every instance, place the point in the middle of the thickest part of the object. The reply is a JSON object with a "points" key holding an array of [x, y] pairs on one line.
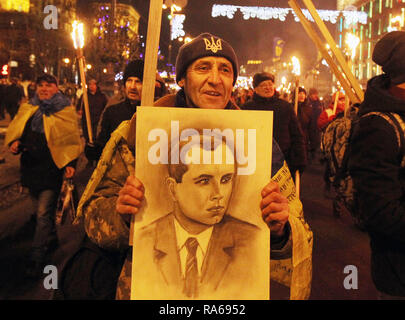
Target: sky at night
{"points": [[252, 39]]}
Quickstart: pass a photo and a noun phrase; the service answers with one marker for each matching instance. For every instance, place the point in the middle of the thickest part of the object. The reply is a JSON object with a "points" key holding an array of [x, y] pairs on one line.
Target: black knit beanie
{"points": [[389, 53], [301, 89], [134, 69], [205, 45], [258, 78], [47, 78]]}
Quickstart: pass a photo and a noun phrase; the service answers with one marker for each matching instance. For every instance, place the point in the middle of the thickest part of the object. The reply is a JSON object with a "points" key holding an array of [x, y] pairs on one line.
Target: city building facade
{"points": [[27, 44], [383, 16]]}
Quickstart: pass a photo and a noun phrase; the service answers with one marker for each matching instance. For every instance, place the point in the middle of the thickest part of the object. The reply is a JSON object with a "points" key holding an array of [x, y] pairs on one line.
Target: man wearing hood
{"points": [[376, 153], [46, 133]]}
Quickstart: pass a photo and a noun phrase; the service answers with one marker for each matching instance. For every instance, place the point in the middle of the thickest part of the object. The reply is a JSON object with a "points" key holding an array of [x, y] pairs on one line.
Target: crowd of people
{"points": [[45, 131]]}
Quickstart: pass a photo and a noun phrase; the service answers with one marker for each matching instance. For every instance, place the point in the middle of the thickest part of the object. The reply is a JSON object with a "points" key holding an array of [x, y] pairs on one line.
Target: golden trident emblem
{"points": [[214, 47]]}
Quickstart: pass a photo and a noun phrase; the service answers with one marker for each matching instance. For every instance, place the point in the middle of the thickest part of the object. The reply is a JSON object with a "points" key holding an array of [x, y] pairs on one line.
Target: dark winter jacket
{"points": [[38, 170], [375, 165], [304, 118], [317, 107], [13, 94], [286, 129], [97, 103], [112, 118]]}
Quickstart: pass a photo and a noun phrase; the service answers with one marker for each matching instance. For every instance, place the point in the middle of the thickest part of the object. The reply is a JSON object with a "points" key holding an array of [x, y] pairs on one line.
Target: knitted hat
{"points": [[47, 78], [258, 78], [134, 69], [205, 45], [301, 89], [389, 53]]}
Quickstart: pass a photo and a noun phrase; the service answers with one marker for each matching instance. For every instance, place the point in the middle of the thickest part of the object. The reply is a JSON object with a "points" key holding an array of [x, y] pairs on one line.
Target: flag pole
{"points": [[149, 74], [151, 52], [345, 83], [335, 49], [297, 72]]}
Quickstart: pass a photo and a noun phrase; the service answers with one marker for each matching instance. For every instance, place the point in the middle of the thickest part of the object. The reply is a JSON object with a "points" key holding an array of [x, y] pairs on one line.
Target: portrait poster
{"points": [[203, 171]]}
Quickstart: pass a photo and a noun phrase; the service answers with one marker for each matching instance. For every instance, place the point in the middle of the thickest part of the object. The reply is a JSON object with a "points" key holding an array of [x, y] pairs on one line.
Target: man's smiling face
{"points": [[208, 82]]}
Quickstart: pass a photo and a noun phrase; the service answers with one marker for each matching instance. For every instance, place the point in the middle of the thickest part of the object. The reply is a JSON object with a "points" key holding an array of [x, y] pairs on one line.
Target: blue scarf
{"points": [[47, 107]]}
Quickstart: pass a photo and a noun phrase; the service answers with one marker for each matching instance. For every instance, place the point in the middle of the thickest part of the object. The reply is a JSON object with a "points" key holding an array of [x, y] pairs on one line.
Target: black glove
{"points": [[92, 151]]}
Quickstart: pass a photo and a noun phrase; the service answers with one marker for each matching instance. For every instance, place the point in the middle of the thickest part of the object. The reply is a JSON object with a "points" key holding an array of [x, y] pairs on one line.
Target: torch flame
{"points": [[77, 35], [296, 66], [352, 41]]}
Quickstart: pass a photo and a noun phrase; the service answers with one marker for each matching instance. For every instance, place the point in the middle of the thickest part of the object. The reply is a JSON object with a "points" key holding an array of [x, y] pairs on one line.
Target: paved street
{"points": [[337, 242]]}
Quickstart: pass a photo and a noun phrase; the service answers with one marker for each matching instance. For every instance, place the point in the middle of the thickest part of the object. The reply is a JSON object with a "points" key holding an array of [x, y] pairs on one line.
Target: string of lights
{"points": [[267, 13]]}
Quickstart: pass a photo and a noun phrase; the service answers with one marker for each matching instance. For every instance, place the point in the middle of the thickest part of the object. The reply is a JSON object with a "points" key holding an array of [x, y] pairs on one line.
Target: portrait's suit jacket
{"points": [[229, 267]]}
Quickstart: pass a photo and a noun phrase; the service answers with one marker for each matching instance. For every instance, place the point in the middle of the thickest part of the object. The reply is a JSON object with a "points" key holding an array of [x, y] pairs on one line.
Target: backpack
{"points": [[335, 143]]}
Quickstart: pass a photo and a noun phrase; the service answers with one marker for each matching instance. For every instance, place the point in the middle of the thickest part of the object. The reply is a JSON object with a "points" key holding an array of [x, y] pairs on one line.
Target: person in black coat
{"points": [[317, 107], [305, 119], [375, 165], [113, 115], [286, 128], [97, 103], [13, 95], [3, 86]]}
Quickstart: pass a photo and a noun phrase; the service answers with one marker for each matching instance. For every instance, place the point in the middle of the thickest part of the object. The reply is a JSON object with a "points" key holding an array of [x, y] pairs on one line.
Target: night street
{"points": [[337, 242], [81, 80]]}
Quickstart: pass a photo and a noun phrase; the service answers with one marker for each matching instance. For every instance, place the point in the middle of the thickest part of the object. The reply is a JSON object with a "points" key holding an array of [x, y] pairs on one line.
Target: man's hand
{"points": [[130, 196], [275, 210], [69, 172], [15, 147]]}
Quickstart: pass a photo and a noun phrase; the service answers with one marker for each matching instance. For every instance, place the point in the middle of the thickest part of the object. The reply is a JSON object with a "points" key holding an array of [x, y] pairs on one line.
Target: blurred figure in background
{"points": [[97, 103], [13, 95], [3, 86], [286, 130], [317, 108], [304, 114]]}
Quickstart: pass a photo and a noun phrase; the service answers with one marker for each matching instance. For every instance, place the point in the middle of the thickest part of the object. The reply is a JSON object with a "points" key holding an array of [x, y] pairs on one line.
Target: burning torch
{"points": [[78, 42]]}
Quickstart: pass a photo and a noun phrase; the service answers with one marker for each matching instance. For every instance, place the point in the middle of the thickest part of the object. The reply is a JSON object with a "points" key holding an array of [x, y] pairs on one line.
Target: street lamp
{"points": [[176, 25]]}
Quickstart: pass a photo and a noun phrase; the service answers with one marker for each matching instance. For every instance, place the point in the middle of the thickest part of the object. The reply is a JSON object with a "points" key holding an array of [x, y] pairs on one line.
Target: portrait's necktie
{"points": [[191, 271]]}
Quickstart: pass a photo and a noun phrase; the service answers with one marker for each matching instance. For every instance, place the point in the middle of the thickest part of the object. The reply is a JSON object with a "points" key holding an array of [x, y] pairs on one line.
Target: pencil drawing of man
{"points": [[199, 250]]}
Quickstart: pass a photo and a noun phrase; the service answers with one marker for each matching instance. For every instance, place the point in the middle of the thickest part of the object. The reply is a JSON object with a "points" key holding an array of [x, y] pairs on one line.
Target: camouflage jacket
{"points": [[109, 230]]}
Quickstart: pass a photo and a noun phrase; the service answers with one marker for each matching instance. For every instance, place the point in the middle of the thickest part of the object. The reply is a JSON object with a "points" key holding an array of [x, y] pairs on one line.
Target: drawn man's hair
{"points": [[177, 170]]}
